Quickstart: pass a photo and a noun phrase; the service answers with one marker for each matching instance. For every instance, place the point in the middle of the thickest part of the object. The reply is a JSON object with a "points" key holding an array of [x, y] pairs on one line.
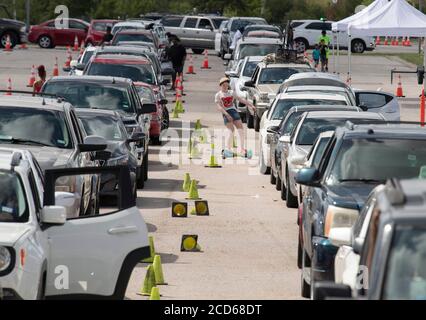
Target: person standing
{"points": [[177, 55], [237, 36], [324, 53], [324, 37], [108, 36], [224, 100], [316, 55], [39, 83]]}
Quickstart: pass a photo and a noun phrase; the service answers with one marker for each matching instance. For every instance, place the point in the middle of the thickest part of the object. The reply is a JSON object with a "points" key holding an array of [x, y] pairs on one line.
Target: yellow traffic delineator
{"points": [[190, 243], [149, 282], [193, 191], [190, 145], [158, 271], [202, 208], [193, 212], [175, 114], [213, 161], [155, 294], [179, 107], [195, 153], [198, 125], [152, 250], [179, 210], [186, 183]]}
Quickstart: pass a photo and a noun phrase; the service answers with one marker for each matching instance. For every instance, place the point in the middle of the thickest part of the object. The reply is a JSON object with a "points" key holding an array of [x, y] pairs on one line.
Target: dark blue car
{"points": [[357, 159]]}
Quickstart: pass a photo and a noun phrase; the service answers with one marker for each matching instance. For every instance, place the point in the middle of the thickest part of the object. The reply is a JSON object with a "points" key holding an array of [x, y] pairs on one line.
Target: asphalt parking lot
{"points": [[249, 241]]}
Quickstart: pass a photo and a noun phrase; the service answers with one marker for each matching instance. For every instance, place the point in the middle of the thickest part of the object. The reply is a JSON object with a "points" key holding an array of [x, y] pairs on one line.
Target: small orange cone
{"points": [[69, 58], [399, 91], [32, 78], [422, 106], [378, 41], [191, 69], [8, 47], [206, 60], [9, 87], [408, 42], [349, 80], [56, 68], [76, 49], [23, 46], [386, 43]]}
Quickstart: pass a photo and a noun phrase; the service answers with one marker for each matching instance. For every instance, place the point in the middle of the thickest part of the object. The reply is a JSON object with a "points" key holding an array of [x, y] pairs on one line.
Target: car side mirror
{"points": [[308, 177], [68, 201], [326, 289], [102, 155], [92, 144], [273, 130], [363, 107], [208, 28], [227, 56], [56, 215], [148, 108], [225, 31], [80, 66], [163, 101], [136, 137], [231, 74], [340, 236], [249, 84]]}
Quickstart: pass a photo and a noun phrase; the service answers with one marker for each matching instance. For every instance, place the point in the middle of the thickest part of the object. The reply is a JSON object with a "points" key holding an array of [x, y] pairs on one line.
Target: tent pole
{"points": [[424, 51], [349, 54], [334, 56], [338, 54]]}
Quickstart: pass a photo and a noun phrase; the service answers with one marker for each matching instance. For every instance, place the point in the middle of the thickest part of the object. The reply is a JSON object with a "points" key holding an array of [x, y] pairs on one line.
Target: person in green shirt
{"points": [[324, 37]]}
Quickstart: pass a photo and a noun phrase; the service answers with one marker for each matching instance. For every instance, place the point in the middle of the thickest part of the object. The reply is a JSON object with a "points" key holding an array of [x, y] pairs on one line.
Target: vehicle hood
{"points": [[10, 233], [49, 157], [268, 88], [15, 22], [350, 195]]}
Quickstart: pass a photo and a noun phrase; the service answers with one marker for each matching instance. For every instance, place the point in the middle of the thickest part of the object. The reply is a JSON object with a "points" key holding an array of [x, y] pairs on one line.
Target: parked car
{"points": [[307, 33], [37, 239], [243, 73], [97, 31], [48, 35], [392, 256], [121, 148], [279, 110], [276, 136], [14, 29], [116, 94], [374, 101], [357, 159], [196, 32], [233, 25], [263, 85], [50, 130], [137, 36]]}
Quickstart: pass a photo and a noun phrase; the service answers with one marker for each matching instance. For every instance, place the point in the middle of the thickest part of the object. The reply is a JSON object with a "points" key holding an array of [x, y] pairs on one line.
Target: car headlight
{"points": [[5, 258], [122, 160], [66, 184], [338, 217]]}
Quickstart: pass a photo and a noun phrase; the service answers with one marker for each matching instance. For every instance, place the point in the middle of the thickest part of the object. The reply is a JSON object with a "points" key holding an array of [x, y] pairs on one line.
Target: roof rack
{"points": [[16, 160], [284, 56]]}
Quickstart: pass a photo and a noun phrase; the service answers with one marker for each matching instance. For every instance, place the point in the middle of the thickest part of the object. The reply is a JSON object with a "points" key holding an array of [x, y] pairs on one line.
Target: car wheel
{"points": [[146, 166], [42, 287], [156, 141], [166, 118], [358, 46], [141, 177], [305, 286], [45, 42], [278, 184], [291, 199], [301, 45], [13, 39], [273, 179], [299, 254], [256, 123], [264, 169], [250, 120], [198, 51]]}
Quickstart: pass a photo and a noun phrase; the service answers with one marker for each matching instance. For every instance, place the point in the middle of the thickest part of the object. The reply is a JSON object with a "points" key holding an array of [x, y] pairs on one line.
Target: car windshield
{"points": [[31, 126], [137, 73], [13, 204], [247, 50], [102, 26], [278, 75], [106, 127], [92, 95], [218, 21], [288, 125], [238, 23], [284, 105], [249, 68], [363, 159], [406, 271], [131, 37]]}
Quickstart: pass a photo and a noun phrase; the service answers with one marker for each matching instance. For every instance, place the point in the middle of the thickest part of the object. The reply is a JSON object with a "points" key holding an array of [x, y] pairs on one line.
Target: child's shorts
{"points": [[234, 114]]}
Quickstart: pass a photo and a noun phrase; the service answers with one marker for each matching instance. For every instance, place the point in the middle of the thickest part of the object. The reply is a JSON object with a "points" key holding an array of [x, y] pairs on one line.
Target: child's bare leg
{"points": [[239, 125], [230, 136]]}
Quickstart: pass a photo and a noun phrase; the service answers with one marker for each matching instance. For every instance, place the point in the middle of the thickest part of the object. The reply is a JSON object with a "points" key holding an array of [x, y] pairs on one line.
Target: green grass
{"points": [[413, 58]]}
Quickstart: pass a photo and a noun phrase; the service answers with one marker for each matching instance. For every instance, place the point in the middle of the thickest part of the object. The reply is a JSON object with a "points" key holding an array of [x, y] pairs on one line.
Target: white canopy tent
{"points": [[396, 19]]}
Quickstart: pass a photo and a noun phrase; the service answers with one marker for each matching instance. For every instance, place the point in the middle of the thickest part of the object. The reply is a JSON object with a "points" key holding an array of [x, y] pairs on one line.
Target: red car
{"points": [[46, 35], [97, 30]]}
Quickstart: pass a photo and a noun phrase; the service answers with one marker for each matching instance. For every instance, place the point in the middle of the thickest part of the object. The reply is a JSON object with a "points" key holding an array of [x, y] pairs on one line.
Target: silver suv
{"points": [[196, 32]]}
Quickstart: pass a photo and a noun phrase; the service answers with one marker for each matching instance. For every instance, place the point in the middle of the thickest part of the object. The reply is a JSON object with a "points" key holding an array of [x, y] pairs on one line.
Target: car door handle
{"points": [[121, 230]]}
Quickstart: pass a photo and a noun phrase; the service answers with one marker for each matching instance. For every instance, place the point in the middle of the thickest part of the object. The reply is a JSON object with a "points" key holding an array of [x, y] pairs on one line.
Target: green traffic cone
{"points": [[198, 125], [155, 294], [149, 282], [186, 182], [158, 271], [193, 191]]}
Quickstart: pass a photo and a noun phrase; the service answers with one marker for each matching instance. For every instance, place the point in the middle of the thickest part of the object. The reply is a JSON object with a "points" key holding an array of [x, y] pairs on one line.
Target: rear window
{"points": [[296, 24], [247, 50], [278, 75], [137, 73], [172, 21], [239, 23], [283, 106], [102, 26], [139, 37]]}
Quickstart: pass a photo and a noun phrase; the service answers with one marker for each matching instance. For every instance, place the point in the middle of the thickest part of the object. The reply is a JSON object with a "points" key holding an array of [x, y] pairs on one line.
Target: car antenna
{"points": [[43, 103]]}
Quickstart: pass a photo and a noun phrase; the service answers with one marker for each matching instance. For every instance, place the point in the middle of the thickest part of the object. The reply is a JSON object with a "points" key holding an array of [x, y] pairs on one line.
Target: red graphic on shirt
{"points": [[227, 102]]}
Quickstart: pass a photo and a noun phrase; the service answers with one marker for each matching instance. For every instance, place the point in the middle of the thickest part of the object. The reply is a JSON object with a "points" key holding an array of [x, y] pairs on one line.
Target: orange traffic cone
{"points": [[76, 44], [399, 91], [349, 79], [9, 87], [23, 46], [56, 68], [69, 58], [422, 106], [82, 48], [206, 61], [408, 42], [378, 41], [8, 47], [191, 69], [181, 86], [32, 78], [386, 43]]}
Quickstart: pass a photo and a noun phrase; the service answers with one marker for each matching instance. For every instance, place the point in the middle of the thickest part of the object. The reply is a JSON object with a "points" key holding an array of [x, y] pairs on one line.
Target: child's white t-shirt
{"points": [[226, 99]]}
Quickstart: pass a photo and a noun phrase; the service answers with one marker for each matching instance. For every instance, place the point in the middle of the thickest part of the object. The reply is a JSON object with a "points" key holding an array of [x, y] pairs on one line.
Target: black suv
{"points": [[16, 30]]}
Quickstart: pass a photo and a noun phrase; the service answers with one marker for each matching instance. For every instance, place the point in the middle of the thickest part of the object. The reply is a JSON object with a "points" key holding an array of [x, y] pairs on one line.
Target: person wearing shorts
{"points": [[224, 100]]}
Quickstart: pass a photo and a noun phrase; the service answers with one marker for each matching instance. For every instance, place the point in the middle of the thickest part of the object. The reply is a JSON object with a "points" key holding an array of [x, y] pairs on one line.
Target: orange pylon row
{"points": [[395, 41]]}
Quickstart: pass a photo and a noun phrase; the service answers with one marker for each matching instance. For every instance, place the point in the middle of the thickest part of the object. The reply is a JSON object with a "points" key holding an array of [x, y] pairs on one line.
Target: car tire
{"points": [[256, 123], [41, 292], [292, 201], [299, 254], [305, 287], [250, 120], [283, 191], [301, 45], [141, 177], [45, 42], [146, 164], [358, 46], [166, 118], [278, 184], [198, 51], [273, 179], [263, 168], [13, 39]]}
